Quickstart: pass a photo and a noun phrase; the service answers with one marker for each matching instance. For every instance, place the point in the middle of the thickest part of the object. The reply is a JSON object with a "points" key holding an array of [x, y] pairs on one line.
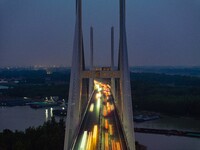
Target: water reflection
{"points": [[48, 114], [51, 112], [21, 117]]}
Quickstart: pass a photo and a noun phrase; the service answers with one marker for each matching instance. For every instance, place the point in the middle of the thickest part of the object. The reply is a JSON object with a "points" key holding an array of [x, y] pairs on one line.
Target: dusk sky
{"points": [[159, 32]]}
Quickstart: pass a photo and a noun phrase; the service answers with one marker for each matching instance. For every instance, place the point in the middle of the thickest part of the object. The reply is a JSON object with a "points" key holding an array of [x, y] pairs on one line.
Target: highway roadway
{"points": [[100, 128]]}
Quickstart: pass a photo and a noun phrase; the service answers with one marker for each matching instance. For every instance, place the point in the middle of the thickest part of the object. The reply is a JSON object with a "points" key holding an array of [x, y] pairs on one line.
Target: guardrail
{"points": [[168, 132], [120, 122], [81, 122]]}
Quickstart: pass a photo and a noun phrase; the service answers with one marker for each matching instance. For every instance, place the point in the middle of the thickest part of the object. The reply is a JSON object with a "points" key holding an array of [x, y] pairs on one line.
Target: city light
{"points": [[84, 139], [118, 146], [106, 142], [98, 103], [91, 107], [106, 123], [89, 140], [51, 112], [110, 129], [98, 95], [94, 137], [46, 114]]}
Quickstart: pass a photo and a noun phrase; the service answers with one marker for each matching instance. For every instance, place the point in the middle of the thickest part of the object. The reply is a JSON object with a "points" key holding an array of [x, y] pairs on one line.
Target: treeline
{"points": [[49, 136], [37, 91], [35, 83], [172, 94], [35, 76], [188, 71]]}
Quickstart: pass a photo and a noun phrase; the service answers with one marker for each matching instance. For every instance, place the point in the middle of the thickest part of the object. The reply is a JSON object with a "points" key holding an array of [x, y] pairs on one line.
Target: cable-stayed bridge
{"points": [[100, 115]]}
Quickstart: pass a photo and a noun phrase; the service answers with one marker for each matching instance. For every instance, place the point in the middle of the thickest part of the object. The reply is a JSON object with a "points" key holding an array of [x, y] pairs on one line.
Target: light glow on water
{"points": [[51, 112], [46, 114]]}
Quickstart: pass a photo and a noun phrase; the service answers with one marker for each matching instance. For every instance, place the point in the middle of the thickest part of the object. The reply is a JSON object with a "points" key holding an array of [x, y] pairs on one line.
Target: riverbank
{"points": [[168, 122], [169, 132]]}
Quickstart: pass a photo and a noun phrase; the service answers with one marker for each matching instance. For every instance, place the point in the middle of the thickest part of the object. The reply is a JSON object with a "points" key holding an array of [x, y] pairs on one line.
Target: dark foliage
{"points": [[33, 91], [50, 136], [35, 83], [172, 94]]}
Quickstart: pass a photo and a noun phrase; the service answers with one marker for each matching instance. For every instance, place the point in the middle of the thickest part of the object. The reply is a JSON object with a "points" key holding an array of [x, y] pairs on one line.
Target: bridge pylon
{"points": [[81, 81]]}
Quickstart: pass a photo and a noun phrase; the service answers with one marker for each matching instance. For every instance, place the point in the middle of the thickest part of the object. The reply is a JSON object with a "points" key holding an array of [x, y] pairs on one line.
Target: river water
{"points": [[3, 87], [163, 142], [22, 117], [172, 123]]}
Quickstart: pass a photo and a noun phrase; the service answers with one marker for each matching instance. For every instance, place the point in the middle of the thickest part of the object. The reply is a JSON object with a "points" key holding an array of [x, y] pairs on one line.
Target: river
{"points": [[22, 117], [163, 142]]}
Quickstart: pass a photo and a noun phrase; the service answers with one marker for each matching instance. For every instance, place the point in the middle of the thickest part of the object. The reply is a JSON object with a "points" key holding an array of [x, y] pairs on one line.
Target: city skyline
{"points": [[161, 33]]}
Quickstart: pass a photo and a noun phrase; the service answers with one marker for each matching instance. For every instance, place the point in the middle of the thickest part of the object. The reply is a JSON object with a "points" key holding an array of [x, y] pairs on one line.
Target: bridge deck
{"points": [[100, 128]]}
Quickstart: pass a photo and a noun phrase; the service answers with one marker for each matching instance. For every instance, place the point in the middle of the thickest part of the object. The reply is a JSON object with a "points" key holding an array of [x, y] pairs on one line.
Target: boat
{"points": [[45, 104], [142, 118], [62, 111]]}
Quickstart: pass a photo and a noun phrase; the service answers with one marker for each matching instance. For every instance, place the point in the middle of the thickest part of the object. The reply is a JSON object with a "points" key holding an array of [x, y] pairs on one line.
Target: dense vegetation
{"points": [[187, 71], [36, 83], [50, 136], [37, 91], [172, 94]]}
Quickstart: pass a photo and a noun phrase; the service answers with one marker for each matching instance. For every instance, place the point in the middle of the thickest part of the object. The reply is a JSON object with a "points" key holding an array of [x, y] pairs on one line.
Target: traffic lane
{"points": [[112, 131], [89, 121]]}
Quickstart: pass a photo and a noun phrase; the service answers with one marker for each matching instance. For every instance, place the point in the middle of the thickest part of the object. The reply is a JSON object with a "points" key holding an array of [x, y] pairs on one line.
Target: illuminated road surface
{"points": [[100, 128]]}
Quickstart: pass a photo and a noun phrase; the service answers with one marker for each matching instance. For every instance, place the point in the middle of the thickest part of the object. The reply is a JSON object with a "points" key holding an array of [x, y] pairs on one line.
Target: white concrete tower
{"points": [[75, 89], [91, 80], [112, 61], [125, 86]]}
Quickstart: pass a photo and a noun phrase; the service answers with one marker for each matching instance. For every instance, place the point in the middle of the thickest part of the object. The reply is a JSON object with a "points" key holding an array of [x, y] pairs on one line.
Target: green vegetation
{"points": [[50, 136], [172, 94], [37, 91], [35, 83]]}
